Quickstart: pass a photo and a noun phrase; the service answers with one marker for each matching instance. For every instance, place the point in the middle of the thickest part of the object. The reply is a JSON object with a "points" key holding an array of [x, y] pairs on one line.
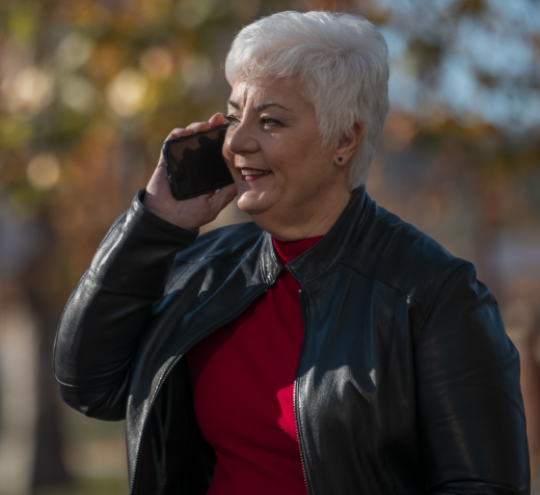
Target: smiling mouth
{"points": [[250, 174], [253, 171]]}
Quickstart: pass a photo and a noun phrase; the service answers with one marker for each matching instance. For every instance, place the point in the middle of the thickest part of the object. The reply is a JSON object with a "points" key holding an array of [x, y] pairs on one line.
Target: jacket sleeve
{"points": [[109, 310], [471, 412]]}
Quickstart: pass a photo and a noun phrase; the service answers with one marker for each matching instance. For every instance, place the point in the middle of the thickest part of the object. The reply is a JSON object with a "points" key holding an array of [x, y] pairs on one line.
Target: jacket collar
{"points": [[329, 251]]}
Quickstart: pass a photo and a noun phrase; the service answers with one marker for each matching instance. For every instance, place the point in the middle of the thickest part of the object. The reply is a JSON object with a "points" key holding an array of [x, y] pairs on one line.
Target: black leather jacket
{"points": [[406, 383]]}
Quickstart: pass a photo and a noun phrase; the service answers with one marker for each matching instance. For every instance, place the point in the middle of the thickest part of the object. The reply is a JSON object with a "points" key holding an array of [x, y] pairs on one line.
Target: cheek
{"points": [[298, 157], [229, 160], [226, 152]]}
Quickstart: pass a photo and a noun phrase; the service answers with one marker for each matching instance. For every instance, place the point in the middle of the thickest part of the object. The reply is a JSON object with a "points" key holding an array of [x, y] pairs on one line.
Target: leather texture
{"points": [[406, 383]]}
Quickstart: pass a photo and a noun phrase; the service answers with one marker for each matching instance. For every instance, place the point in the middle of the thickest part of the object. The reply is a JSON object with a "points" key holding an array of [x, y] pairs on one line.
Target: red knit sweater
{"points": [[242, 378]]}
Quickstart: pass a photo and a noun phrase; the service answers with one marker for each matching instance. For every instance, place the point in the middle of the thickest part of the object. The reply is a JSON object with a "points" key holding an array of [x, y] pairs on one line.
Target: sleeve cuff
{"points": [[147, 216]]}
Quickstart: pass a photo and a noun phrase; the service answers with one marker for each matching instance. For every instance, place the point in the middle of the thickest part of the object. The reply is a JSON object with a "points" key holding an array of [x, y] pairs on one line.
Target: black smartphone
{"points": [[195, 163]]}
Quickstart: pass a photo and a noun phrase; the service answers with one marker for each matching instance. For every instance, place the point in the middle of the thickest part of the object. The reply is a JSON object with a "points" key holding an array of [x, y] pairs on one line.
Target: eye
{"points": [[233, 120], [268, 122]]}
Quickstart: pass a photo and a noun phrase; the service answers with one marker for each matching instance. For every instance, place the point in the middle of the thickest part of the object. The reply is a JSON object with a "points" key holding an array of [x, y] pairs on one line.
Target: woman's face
{"points": [[274, 151]]}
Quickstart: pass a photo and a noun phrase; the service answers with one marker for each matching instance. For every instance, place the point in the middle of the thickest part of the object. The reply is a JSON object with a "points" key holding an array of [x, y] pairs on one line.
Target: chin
{"points": [[253, 203]]}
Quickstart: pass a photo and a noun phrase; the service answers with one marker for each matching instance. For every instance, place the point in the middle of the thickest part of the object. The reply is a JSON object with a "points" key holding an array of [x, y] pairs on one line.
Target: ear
{"points": [[348, 144]]}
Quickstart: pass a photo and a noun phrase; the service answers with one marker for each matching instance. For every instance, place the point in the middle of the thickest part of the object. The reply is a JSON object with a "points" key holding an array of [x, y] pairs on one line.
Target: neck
{"points": [[314, 218]]}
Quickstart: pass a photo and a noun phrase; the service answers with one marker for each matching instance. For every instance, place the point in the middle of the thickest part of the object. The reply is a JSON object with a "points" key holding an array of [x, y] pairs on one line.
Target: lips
{"points": [[251, 174]]}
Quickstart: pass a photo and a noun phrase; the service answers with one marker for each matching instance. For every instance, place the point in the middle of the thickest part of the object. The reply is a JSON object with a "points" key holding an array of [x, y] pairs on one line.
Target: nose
{"points": [[240, 139]]}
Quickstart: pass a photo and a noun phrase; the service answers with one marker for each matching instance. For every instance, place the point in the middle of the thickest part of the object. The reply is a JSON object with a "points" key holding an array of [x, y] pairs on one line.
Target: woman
{"points": [[374, 362]]}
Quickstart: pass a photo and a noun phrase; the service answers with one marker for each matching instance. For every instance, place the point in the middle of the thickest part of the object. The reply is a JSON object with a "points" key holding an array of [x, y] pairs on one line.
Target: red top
{"points": [[243, 376]]}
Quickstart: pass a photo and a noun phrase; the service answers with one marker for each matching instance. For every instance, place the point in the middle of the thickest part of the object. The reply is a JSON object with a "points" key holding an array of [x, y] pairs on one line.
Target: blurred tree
{"points": [[89, 90]]}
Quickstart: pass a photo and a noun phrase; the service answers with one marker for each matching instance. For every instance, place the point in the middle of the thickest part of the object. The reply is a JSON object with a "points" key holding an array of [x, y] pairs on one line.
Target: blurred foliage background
{"points": [[90, 89]]}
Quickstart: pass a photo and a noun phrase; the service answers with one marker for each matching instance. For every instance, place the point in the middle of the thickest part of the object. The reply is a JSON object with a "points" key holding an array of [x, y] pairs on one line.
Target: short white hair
{"points": [[340, 58]]}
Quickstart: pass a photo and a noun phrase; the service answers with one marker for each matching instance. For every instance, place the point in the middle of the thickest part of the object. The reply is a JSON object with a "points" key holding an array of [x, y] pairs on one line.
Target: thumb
{"points": [[222, 198]]}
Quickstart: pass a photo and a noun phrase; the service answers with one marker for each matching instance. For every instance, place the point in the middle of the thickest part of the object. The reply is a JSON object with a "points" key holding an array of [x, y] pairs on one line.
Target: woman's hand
{"points": [[190, 213]]}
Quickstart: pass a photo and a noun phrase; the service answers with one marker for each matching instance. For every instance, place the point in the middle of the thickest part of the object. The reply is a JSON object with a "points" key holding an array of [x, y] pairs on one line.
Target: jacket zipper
{"points": [[206, 334], [295, 393]]}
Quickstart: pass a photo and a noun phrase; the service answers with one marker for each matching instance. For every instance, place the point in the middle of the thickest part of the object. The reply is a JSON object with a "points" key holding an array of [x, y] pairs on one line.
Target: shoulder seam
{"points": [[438, 293], [392, 287], [405, 294], [370, 277]]}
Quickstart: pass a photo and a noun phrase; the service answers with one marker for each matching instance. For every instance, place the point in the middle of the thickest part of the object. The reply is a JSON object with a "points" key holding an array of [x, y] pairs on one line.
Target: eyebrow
{"points": [[260, 107]]}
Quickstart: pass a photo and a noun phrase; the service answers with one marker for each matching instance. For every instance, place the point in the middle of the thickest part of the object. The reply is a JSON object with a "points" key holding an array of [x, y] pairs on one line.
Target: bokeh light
{"points": [[78, 94], [43, 171], [197, 71], [126, 92], [28, 91], [74, 50], [157, 62], [192, 13]]}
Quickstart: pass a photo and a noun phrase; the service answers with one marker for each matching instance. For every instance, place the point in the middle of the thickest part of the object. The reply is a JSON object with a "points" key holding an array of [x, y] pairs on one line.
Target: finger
{"points": [[222, 198], [194, 124], [174, 134], [216, 120], [178, 132], [199, 126]]}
